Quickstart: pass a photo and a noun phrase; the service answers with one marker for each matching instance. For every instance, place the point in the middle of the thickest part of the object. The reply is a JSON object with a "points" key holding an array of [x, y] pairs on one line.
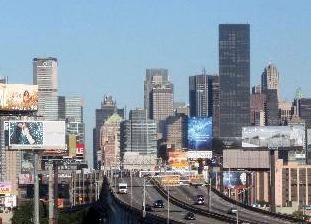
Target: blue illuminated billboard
{"points": [[200, 133]]}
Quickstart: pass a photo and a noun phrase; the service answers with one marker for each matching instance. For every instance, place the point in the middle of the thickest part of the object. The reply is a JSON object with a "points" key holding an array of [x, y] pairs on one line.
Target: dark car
{"points": [[148, 208], [190, 216], [158, 204], [199, 200], [232, 211]]}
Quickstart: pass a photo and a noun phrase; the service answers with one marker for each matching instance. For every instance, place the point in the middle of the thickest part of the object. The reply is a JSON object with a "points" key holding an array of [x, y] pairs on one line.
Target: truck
{"points": [[122, 189]]}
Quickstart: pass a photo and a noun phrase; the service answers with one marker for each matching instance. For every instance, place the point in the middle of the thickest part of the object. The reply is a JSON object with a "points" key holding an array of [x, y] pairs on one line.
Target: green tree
{"points": [[24, 214], [299, 214]]}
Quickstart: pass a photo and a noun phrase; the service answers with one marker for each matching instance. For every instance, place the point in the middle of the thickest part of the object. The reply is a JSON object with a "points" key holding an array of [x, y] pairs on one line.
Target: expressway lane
{"points": [[176, 213], [221, 206]]}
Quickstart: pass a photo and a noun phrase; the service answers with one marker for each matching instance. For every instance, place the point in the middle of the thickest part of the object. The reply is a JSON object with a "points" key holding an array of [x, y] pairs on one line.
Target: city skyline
{"points": [[199, 48]]}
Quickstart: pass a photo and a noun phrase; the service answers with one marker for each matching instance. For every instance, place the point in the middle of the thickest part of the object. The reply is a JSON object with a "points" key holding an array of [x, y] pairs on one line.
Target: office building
{"points": [[204, 98], [110, 141], [304, 110], [285, 111], [45, 76], [108, 108], [272, 116], [234, 79], [181, 108], [270, 79], [155, 76], [257, 107], [175, 131], [139, 134], [161, 103]]}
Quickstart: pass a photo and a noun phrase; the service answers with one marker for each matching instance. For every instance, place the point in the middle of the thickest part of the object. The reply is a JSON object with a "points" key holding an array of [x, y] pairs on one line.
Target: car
{"points": [[190, 216], [200, 201], [200, 196], [148, 208], [232, 211], [158, 204]]}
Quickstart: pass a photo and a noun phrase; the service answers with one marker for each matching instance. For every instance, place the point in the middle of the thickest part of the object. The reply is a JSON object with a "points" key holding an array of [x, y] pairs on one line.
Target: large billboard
{"points": [[18, 97], [5, 188], [45, 135], [200, 133], [274, 136], [177, 159], [234, 179]]}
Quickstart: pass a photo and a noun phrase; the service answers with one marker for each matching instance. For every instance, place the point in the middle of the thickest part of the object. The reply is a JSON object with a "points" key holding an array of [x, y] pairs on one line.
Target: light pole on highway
{"points": [[144, 199], [168, 204], [131, 177]]}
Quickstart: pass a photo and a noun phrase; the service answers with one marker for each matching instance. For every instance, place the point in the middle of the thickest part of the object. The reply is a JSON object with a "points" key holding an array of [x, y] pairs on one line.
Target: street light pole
{"points": [[131, 186], [168, 204], [209, 194], [144, 199], [237, 216]]}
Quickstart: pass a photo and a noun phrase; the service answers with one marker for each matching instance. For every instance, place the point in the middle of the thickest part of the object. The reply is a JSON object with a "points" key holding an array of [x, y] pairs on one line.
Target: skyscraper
{"points": [[234, 78], [272, 116], [139, 134], [108, 108], [257, 107], [45, 76], [270, 79], [154, 76], [110, 141], [204, 98]]}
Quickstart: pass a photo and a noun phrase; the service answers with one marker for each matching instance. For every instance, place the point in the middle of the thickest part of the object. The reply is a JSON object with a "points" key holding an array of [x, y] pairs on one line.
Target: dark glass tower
{"points": [[234, 78]]}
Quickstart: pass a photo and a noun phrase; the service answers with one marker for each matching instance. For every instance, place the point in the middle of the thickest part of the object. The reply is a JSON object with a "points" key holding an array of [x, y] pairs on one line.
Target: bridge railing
{"points": [[258, 210]]}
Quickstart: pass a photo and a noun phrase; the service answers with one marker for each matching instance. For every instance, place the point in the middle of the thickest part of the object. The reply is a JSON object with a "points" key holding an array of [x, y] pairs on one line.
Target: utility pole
{"points": [[210, 194], [168, 204], [51, 195], [36, 189], [144, 199], [131, 187]]}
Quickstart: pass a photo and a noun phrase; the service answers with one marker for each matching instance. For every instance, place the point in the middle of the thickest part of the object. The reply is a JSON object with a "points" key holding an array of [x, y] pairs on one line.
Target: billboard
{"points": [[178, 159], [273, 136], [5, 188], [170, 180], [200, 133], [25, 179], [199, 154], [72, 142], [18, 97], [234, 179], [80, 149], [45, 135]]}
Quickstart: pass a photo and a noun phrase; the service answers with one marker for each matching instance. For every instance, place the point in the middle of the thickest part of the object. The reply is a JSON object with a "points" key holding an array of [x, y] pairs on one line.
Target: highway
{"points": [[221, 206], [176, 213]]}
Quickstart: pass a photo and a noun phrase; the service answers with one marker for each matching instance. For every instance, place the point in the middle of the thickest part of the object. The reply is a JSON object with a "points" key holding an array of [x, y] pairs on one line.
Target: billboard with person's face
{"points": [[35, 134], [18, 97]]}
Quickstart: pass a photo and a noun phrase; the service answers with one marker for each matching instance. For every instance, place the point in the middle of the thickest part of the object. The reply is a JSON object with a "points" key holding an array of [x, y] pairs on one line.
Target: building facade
{"points": [[45, 75], [154, 76], [139, 134], [110, 141], [257, 107], [175, 131], [234, 79], [270, 79], [204, 98]]}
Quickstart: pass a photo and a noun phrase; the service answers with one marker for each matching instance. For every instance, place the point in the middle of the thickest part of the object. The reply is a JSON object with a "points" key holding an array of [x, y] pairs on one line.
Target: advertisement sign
{"points": [[18, 97], [177, 159], [196, 179], [60, 203], [273, 136], [200, 133], [199, 155], [5, 188], [170, 180], [80, 149], [25, 179], [36, 134], [234, 179], [10, 201]]}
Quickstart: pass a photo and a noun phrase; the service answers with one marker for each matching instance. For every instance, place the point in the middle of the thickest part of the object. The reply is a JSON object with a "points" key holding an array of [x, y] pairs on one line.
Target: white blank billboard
{"points": [[36, 134], [273, 136]]}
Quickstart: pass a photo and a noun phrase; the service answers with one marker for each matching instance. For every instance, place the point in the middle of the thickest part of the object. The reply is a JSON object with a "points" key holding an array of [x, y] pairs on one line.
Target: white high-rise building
{"points": [[45, 76], [270, 79]]}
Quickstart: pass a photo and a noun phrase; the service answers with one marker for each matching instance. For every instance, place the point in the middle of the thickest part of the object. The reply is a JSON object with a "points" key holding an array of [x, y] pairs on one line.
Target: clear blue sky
{"points": [[105, 46]]}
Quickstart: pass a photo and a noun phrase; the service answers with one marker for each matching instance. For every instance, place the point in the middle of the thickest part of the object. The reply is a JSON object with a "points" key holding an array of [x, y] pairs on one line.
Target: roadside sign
{"points": [[170, 180]]}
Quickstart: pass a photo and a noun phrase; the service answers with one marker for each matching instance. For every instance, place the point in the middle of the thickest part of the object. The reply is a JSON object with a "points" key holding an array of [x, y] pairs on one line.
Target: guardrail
{"points": [[192, 208], [149, 218], [272, 214]]}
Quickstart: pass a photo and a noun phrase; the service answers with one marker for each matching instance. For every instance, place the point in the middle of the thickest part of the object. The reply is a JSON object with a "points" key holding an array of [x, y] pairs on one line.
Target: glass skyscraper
{"points": [[234, 78]]}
